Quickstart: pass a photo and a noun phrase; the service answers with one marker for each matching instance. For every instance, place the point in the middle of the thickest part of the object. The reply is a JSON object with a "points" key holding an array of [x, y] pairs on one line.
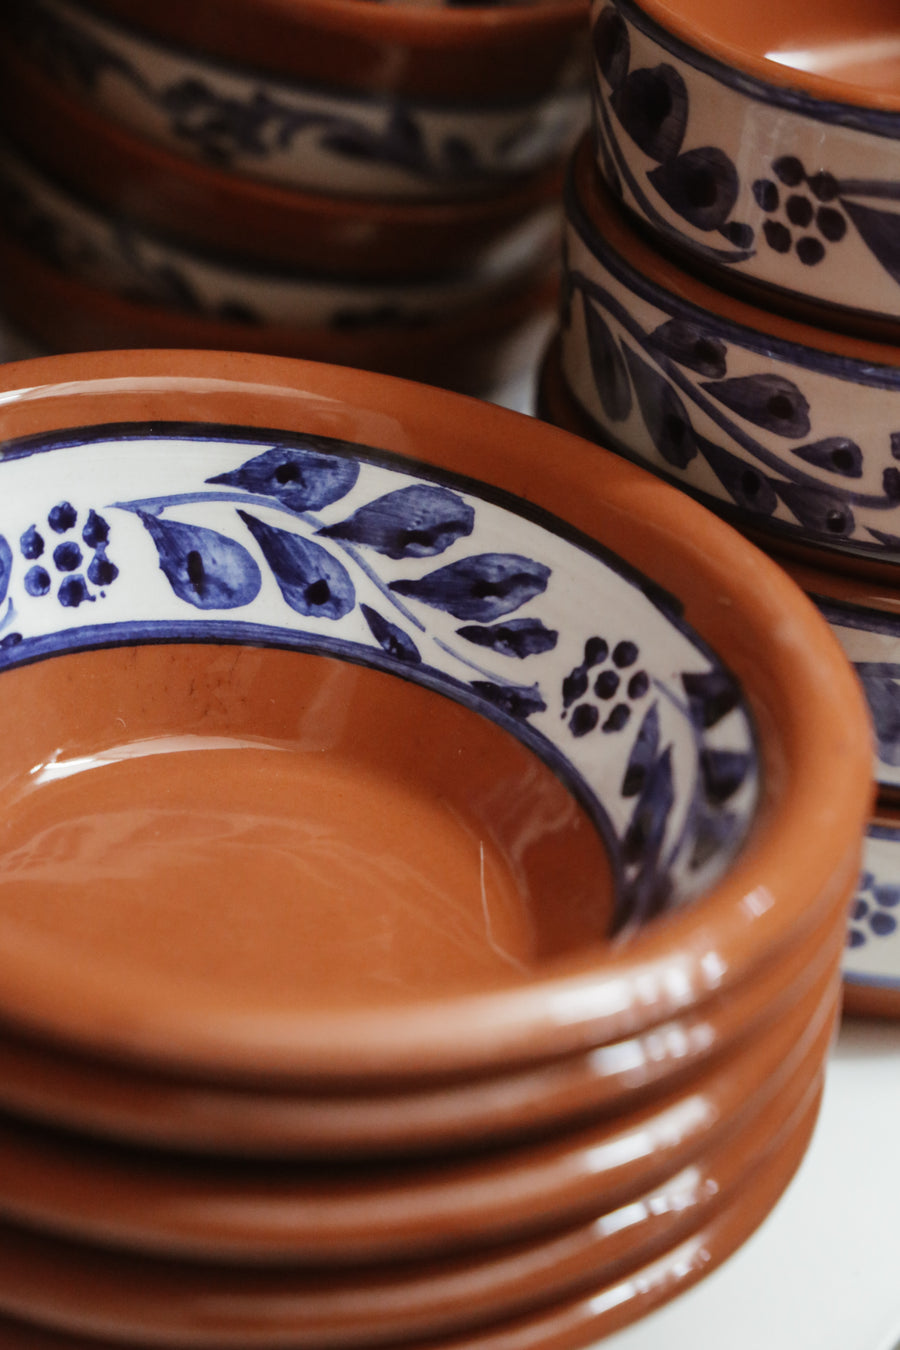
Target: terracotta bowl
{"points": [[202, 204], [220, 567], [581, 1318], [762, 142], [331, 95], [473, 351], [120, 1103], [783, 427], [105, 251], [115, 1294]]}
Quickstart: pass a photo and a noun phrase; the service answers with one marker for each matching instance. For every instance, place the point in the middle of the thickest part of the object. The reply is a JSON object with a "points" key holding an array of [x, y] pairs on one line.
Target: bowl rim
{"points": [[813, 727], [825, 98]]}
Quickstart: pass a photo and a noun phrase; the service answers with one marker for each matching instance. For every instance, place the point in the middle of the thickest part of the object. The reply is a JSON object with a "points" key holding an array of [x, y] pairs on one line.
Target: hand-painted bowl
{"points": [[330, 95], [549, 752], [760, 141], [99, 247], [474, 350], [203, 204], [786, 428]]}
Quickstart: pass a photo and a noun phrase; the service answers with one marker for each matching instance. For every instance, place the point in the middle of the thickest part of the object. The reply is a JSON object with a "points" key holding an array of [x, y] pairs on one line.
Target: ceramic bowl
{"points": [[473, 351], [602, 1306], [119, 1103], [284, 1216], [331, 95], [218, 567], [783, 427], [206, 206], [763, 143]]}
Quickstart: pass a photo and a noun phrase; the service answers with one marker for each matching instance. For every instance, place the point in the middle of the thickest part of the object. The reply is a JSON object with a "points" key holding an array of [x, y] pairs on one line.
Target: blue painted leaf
{"points": [[723, 772], [607, 365], [518, 637], [880, 231], [312, 582], [413, 522], [483, 587], [768, 401], [644, 837], [301, 478], [652, 106], [612, 48], [883, 697], [711, 696], [390, 638], [515, 701], [714, 834], [818, 508], [207, 569], [838, 454], [689, 345], [643, 754], [664, 414], [701, 186], [6, 562], [748, 487]]}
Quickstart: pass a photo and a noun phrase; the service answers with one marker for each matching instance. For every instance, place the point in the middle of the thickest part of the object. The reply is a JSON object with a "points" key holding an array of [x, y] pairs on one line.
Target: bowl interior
{"points": [[847, 51], [283, 824]]}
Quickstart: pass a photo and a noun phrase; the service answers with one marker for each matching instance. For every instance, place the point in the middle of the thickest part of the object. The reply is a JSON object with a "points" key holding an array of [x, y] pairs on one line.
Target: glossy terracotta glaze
{"points": [[210, 207], [795, 675], [122, 1104], [576, 1321], [337, 1215], [481, 55], [845, 53]]}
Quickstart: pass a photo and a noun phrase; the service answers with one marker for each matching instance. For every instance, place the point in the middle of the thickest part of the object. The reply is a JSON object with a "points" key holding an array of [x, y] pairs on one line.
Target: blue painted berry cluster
{"points": [[800, 210], [874, 911], [74, 563], [602, 689]]}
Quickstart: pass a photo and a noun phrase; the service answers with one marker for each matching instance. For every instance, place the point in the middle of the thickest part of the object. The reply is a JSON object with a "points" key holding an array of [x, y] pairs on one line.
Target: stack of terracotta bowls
{"points": [[730, 318], [425, 867], [377, 184]]}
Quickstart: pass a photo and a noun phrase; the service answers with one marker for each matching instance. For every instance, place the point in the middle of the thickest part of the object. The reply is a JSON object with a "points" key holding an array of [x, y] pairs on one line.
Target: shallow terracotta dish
{"points": [[473, 352], [331, 95], [204, 204], [105, 251], [230, 561], [782, 426], [577, 1320], [328, 1213], [762, 142], [43, 1084]]}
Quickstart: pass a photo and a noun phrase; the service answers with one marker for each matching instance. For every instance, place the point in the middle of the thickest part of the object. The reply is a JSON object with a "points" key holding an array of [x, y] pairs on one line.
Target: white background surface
{"points": [[823, 1271]]}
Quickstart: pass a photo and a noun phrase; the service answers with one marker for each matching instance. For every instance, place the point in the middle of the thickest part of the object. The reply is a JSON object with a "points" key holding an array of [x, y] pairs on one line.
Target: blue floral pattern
{"points": [[320, 138], [748, 199], [798, 442], [137, 534], [872, 953]]}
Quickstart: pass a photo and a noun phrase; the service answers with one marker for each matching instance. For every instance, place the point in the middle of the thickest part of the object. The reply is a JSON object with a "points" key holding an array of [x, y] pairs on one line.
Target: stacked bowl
{"points": [[425, 866], [374, 184], [730, 318]]}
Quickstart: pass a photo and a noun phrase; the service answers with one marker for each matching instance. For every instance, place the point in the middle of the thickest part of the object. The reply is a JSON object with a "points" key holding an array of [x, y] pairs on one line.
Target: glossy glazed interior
{"points": [[831, 49], [251, 829], [808, 708]]}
